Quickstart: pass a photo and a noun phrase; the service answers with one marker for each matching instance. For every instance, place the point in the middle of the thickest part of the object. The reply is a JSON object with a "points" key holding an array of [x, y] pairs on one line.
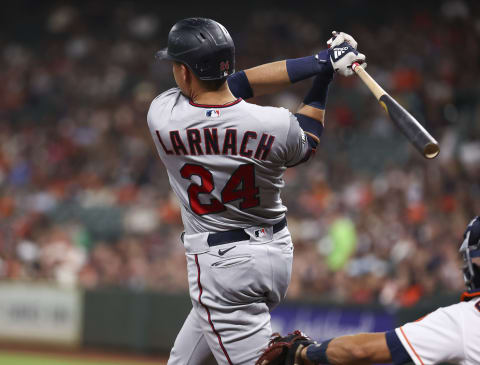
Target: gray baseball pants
{"points": [[233, 287]]}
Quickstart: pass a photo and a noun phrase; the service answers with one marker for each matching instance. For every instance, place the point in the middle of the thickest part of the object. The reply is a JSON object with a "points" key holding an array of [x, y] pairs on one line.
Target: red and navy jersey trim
{"points": [[215, 106], [466, 296], [397, 351]]}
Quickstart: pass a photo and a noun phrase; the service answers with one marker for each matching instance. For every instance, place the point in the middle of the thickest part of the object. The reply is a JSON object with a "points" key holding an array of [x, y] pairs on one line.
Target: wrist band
{"points": [[318, 353], [302, 68]]}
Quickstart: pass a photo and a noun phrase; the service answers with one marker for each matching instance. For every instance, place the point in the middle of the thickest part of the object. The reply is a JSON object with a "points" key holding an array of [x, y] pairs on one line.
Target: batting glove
{"points": [[339, 38], [342, 56]]}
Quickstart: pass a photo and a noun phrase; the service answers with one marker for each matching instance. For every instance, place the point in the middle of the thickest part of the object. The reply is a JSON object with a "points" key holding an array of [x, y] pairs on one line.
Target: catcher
{"points": [[450, 334]]}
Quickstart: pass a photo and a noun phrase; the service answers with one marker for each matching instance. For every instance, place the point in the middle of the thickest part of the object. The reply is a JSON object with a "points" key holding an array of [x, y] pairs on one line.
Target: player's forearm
{"points": [[268, 78], [367, 348], [312, 112], [276, 76], [364, 348]]}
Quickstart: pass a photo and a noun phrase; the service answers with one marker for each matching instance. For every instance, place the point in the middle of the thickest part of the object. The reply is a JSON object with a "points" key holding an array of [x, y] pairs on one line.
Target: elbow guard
{"points": [[311, 127]]}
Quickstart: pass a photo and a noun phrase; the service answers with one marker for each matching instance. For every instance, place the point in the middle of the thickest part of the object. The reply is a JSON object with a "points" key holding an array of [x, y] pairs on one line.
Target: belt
{"points": [[221, 238]]}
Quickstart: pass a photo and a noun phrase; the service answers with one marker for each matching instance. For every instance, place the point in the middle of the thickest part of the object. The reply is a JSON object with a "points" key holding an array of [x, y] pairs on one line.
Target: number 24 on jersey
{"points": [[240, 186]]}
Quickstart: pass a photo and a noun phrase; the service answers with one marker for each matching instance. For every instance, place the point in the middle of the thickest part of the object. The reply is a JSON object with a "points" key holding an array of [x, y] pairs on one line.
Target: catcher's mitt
{"points": [[285, 350]]}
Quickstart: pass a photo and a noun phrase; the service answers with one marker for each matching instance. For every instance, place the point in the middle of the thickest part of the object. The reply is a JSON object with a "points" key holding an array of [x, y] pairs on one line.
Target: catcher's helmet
{"points": [[203, 45], [469, 249]]}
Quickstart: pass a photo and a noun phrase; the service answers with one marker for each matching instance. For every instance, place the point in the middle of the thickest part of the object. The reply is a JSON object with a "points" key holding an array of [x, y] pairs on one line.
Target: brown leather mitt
{"points": [[285, 350]]}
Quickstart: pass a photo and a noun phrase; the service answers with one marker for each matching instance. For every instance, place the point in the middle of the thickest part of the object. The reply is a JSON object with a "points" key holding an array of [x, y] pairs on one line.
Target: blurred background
{"points": [[90, 255]]}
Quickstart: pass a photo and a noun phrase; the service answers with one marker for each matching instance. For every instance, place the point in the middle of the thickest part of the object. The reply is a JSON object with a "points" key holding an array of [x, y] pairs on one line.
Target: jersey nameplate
{"points": [[206, 141]]}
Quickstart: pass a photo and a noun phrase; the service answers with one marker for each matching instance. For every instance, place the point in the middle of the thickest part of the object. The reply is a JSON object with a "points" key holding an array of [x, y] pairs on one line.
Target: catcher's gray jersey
{"points": [[225, 162]]}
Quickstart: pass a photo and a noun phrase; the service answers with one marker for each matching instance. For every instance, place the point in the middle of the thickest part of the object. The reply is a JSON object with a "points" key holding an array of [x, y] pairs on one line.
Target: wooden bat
{"points": [[410, 127]]}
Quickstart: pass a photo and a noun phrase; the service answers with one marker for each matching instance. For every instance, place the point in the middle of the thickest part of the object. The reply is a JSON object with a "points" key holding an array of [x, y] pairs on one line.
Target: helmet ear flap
{"points": [[471, 276], [475, 280], [469, 249]]}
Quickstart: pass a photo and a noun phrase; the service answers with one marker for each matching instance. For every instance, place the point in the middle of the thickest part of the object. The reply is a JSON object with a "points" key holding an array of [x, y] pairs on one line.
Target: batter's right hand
{"points": [[342, 56]]}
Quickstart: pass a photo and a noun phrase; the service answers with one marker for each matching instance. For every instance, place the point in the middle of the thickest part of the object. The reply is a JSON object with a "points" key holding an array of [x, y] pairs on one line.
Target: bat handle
{"points": [[374, 87], [355, 67]]}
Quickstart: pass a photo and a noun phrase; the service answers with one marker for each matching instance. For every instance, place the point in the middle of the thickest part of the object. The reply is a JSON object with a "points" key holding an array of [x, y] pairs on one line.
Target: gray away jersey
{"points": [[225, 163]]}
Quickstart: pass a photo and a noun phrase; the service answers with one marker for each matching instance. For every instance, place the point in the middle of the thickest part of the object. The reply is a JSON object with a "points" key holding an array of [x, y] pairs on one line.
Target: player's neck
{"points": [[218, 97]]}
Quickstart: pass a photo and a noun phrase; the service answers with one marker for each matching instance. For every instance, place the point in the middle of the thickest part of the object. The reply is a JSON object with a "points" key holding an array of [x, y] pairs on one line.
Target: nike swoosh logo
{"points": [[224, 251]]}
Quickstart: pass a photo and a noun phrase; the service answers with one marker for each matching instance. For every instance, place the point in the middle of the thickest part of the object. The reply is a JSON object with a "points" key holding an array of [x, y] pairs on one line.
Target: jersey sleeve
{"points": [[158, 115], [399, 355], [298, 149], [436, 338]]}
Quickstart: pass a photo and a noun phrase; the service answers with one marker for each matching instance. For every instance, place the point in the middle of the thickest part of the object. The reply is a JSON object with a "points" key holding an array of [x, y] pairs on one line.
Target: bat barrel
{"points": [[410, 127]]}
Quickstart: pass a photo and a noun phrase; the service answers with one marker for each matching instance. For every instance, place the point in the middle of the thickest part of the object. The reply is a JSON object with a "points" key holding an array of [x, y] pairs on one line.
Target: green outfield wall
{"points": [[140, 321]]}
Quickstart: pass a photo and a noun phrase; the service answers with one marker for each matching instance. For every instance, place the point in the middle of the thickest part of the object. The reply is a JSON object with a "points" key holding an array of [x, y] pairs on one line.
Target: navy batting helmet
{"points": [[469, 249], [203, 45]]}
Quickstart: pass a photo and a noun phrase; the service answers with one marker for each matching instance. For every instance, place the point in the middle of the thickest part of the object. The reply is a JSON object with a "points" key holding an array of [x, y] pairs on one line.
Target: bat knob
{"points": [[431, 150], [355, 65]]}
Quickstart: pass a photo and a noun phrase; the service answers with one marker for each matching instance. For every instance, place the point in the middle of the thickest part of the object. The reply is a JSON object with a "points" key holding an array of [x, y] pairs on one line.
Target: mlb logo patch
{"points": [[259, 233], [212, 113]]}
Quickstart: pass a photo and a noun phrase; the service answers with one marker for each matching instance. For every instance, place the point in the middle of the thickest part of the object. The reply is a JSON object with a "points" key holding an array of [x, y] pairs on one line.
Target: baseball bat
{"points": [[408, 125]]}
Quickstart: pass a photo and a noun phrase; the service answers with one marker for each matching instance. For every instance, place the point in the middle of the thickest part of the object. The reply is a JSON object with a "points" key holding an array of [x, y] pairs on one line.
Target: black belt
{"points": [[221, 238]]}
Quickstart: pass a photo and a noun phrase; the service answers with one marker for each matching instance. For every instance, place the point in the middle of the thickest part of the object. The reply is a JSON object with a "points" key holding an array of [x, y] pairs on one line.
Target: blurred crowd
{"points": [[85, 201]]}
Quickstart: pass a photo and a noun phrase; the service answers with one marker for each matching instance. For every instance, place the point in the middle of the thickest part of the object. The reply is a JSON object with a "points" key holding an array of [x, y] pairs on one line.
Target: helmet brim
{"points": [[163, 54]]}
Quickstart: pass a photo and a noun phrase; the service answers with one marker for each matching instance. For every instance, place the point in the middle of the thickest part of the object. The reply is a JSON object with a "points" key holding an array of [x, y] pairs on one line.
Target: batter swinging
{"points": [[225, 159]]}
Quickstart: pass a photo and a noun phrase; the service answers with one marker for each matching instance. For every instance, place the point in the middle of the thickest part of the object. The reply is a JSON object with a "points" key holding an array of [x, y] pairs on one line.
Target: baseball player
{"points": [[225, 159], [450, 334]]}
